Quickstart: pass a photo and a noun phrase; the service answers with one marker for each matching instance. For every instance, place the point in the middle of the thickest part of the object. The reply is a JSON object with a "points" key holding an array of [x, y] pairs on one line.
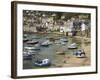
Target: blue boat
{"points": [[79, 53]]}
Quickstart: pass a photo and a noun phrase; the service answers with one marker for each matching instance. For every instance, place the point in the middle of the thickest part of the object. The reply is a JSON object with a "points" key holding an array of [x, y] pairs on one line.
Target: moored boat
{"points": [[27, 56], [72, 46], [42, 63], [46, 43], [60, 53], [32, 48], [25, 39], [79, 53], [32, 42], [64, 40]]}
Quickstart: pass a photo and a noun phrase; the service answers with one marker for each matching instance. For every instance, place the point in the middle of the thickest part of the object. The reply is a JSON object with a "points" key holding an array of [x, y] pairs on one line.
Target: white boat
{"points": [[60, 53], [64, 40], [29, 52], [43, 63], [32, 52], [46, 43], [63, 43], [57, 42], [72, 46], [25, 35], [27, 56], [32, 48], [25, 39], [32, 42]]}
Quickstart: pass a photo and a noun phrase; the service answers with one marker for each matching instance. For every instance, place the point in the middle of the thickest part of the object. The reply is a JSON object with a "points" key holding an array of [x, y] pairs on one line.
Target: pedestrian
{"points": [[83, 29]]}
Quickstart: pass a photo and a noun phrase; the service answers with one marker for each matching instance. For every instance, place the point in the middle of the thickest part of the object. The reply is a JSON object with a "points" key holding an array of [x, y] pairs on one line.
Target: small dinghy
{"points": [[72, 46], [32, 48], [25, 39], [79, 53], [25, 35], [64, 40], [60, 53], [32, 52], [32, 42], [53, 38], [27, 56], [63, 43], [29, 52], [60, 42], [46, 43], [42, 63], [57, 42]]}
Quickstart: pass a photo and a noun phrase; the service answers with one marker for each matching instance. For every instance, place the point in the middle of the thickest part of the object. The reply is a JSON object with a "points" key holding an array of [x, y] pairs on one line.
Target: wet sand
{"points": [[69, 60]]}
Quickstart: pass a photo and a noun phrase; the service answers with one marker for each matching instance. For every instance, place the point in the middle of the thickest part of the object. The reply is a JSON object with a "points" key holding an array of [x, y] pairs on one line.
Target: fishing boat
{"points": [[79, 53], [29, 52], [32, 52], [72, 46], [32, 42], [46, 43], [25, 39], [63, 43], [25, 35], [53, 38], [27, 56], [57, 42], [64, 40], [60, 53], [42, 63], [32, 48]]}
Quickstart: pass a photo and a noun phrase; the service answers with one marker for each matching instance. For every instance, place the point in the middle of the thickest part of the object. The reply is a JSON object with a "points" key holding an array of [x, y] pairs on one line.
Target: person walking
{"points": [[83, 29]]}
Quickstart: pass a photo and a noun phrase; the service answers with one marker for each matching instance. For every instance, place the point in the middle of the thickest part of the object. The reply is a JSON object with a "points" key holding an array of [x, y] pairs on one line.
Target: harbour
{"points": [[54, 52]]}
